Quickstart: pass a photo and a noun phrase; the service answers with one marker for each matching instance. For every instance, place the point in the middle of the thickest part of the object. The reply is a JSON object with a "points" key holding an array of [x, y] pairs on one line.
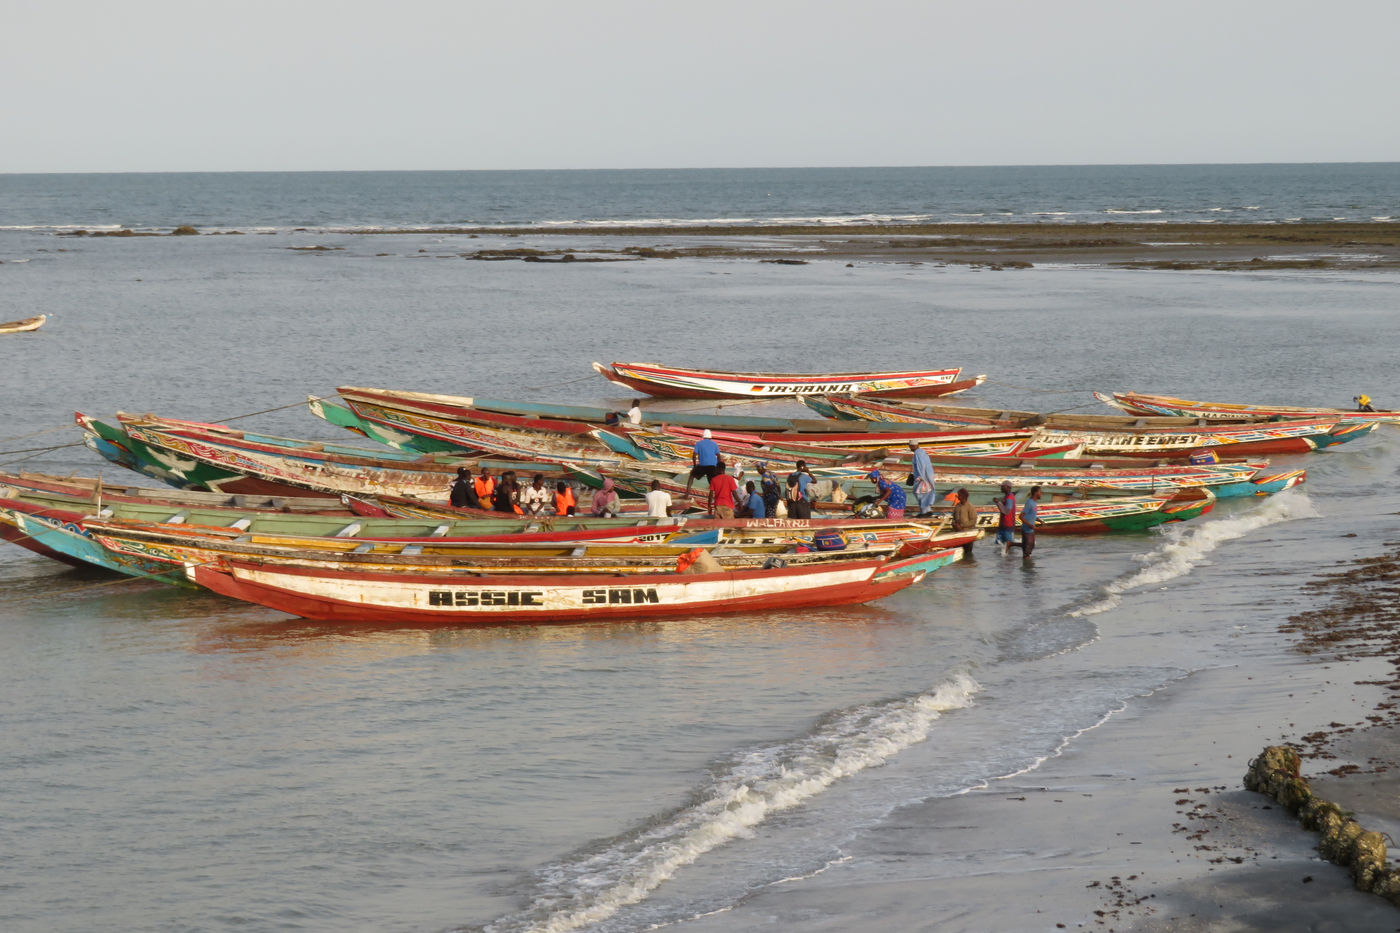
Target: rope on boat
{"points": [[137, 575], [1011, 385], [298, 404], [34, 452], [553, 385], [20, 437]]}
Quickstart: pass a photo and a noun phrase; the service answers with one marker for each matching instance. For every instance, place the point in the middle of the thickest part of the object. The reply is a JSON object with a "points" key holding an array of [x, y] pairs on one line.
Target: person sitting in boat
{"points": [[463, 494], [890, 494], [485, 486], [703, 459], [658, 501], [605, 501], [505, 498], [534, 498], [1363, 403], [751, 505], [564, 503], [634, 414]]}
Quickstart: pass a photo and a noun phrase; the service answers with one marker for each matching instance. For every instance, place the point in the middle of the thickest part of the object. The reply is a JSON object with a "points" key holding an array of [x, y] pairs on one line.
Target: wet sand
{"points": [[1248, 247], [1226, 247], [1143, 823]]}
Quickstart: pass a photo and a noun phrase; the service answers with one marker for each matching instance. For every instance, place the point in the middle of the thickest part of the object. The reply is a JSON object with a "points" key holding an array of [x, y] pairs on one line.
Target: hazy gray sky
{"points": [[150, 85]]}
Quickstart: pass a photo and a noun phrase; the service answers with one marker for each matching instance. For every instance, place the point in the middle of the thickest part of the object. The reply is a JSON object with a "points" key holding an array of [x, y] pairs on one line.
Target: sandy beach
{"points": [[1188, 849]]}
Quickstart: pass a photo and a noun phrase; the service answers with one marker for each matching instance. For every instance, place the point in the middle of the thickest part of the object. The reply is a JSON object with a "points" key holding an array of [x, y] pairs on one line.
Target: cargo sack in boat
{"points": [[698, 560], [829, 541]]}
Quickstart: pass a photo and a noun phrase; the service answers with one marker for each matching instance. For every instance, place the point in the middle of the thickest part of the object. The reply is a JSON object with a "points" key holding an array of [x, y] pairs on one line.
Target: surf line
{"points": [[595, 885], [1179, 556]]}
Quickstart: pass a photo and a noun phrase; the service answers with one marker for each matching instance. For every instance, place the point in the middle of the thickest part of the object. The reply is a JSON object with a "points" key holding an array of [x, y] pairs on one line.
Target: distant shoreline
{"points": [[1302, 246]]}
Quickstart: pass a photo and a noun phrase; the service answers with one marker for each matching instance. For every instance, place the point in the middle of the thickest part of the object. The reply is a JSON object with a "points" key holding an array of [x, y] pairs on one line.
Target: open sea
{"points": [[171, 760]]}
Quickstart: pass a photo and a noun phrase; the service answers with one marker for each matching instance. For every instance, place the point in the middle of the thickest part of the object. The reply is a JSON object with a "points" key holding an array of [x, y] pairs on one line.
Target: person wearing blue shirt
{"points": [[890, 493], [1028, 516], [922, 472], [704, 459], [754, 506]]}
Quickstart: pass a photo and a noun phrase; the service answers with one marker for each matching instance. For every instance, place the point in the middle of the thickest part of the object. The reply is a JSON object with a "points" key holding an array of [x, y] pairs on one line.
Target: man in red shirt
{"points": [[723, 489]]}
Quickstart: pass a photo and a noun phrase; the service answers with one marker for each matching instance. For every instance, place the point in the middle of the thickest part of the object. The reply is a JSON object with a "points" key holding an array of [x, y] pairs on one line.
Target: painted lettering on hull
{"points": [[603, 596], [620, 595], [484, 598]]}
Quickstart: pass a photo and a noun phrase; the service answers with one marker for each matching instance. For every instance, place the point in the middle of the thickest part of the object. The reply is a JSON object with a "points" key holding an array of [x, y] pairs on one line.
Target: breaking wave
{"points": [[1194, 543], [593, 886]]}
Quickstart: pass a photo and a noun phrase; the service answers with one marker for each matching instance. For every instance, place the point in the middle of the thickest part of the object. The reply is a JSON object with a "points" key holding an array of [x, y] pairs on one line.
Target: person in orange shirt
{"points": [[485, 487], [564, 503]]}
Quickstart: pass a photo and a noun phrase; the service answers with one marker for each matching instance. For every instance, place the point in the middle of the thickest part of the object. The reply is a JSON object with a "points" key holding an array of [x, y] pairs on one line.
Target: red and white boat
{"points": [[473, 598], [674, 382]]}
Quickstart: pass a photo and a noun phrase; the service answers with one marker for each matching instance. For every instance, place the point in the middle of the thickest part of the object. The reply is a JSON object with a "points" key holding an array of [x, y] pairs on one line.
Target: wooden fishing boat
{"points": [[474, 599], [547, 427], [92, 492], [1097, 516], [595, 445], [28, 324], [674, 382], [159, 550], [1137, 403], [174, 526], [266, 464], [1097, 484], [1175, 441]]}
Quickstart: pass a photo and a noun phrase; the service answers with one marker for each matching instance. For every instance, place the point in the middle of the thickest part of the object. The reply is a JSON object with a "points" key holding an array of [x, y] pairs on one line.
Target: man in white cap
{"points": [[922, 471], [704, 460]]}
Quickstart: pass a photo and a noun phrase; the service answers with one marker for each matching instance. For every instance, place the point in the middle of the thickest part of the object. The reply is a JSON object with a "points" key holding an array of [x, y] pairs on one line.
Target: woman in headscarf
{"points": [[605, 501]]}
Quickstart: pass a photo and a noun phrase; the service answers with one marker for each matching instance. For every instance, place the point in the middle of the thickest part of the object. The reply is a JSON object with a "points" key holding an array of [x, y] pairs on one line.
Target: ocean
{"points": [[171, 760], [259, 201]]}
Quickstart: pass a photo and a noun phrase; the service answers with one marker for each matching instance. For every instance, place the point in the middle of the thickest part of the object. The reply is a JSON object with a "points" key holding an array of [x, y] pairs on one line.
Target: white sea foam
{"points": [[1124, 210], [594, 886], [1194, 543], [758, 223]]}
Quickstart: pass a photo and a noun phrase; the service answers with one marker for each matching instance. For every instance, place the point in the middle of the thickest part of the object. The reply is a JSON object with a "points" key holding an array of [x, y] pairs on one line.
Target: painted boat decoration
{"points": [[674, 382], [25, 325], [474, 599], [1090, 484], [596, 445], [1137, 403], [232, 460], [1166, 442]]}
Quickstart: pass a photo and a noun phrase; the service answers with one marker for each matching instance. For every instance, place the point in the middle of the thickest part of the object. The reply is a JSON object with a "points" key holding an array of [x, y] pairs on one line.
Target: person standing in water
{"points": [[1028, 516]]}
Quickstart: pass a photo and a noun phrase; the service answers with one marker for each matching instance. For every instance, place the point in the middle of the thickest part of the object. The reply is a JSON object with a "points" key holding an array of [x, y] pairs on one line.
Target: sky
{"points": [[253, 85]]}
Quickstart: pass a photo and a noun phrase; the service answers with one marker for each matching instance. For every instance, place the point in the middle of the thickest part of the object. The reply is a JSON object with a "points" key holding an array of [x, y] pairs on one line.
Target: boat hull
{"points": [[673, 382], [420, 600]]}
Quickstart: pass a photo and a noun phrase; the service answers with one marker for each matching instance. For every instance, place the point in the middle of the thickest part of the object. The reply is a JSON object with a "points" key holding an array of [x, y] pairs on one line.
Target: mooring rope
{"points": [[309, 398]]}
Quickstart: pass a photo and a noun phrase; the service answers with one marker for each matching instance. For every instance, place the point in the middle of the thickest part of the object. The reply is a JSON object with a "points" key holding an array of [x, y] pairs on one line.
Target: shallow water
{"points": [[173, 760]]}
